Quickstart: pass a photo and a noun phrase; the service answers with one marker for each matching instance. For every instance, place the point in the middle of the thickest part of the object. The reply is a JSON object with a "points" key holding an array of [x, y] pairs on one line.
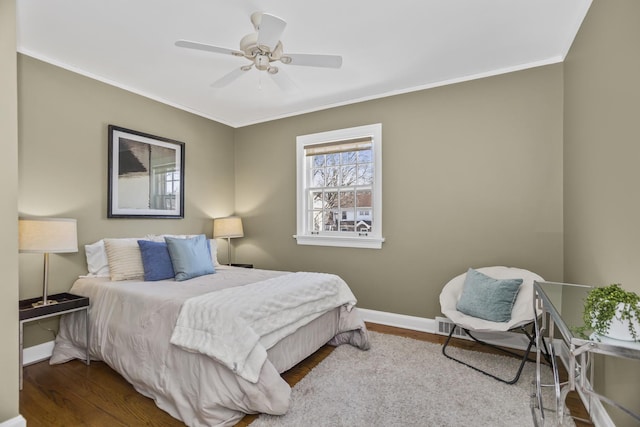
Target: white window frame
{"points": [[304, 236]]}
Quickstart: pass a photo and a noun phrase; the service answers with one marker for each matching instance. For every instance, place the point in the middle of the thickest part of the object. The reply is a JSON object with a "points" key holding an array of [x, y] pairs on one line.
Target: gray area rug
{"points": [[406, 382]]}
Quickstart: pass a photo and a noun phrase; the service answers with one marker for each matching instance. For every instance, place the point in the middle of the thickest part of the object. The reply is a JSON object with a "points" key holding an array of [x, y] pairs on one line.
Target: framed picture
{"points": [[146, 175]]}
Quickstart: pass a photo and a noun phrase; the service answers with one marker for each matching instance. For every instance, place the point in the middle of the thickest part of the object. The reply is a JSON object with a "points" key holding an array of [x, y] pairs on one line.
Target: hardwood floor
{"points": [[73, 394]]}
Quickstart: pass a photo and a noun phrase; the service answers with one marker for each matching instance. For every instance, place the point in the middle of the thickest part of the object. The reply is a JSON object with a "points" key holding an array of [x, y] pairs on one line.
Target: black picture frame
{"points": [[146, 175]]}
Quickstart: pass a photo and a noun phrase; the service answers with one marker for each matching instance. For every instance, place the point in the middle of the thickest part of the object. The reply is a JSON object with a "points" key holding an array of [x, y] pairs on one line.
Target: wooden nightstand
{"points": [[242, 265], [67, 303]]}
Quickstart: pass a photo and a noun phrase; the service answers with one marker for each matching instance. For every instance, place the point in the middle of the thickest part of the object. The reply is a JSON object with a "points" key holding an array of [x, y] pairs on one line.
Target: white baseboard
{"points": [[36, 353], [422, 324], [414, 323], [18, 421]]}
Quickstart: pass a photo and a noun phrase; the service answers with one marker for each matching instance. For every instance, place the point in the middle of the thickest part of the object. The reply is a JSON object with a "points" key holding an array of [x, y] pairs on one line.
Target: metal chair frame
{"points": [[532, 340]]}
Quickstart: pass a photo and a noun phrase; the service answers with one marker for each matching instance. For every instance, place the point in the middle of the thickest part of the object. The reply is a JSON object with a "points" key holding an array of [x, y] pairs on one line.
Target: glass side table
{"points": [[560, 305]]}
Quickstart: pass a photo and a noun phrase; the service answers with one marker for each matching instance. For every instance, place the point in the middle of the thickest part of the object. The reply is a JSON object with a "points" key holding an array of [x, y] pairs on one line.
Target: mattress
{"points": [[131, 323]]}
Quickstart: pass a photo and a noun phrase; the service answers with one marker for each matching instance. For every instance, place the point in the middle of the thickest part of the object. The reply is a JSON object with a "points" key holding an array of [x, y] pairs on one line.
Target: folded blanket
{"points": [[237, 325]]}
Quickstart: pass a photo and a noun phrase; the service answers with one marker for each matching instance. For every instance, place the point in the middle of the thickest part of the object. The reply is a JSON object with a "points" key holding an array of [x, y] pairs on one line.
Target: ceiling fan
{"points": [[262, 48]]}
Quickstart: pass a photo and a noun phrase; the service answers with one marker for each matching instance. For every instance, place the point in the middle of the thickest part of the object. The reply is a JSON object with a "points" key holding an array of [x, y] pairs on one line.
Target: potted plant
{"points": [[613, 312]]}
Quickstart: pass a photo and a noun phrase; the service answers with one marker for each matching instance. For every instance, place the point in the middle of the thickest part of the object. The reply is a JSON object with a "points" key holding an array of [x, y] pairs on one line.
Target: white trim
{"points": [[18, 421], [37, 353], [239, 124], [414, 323], [341, 241], [304, 235], [422, 324], [131, 89]]}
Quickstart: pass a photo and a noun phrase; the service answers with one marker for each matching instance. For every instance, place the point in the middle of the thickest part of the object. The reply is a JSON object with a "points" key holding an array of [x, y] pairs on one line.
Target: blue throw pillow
{"points": [[190, 257], [155, 260], [488, 298]]}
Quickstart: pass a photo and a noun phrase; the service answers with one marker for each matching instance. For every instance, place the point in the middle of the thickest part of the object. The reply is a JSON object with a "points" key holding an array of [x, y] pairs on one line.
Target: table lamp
{"points": [[45, 236], [227, 228]]}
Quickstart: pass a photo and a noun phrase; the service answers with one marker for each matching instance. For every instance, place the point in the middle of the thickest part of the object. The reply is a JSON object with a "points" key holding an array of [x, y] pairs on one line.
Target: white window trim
{"points": [[374, 239]]}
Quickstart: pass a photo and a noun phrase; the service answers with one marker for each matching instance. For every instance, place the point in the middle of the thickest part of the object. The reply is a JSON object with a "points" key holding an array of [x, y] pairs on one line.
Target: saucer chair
{"points": [[489, 293]]}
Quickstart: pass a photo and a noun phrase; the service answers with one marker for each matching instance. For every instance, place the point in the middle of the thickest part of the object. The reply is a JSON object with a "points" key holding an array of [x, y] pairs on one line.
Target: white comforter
{"points": [[131, 326], [237, 325]]}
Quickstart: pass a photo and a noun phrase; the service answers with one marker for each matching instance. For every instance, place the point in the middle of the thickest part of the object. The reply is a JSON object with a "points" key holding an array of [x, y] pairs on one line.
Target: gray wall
{"points": [[63, 120], [8, 213], [472, 176], [602, 148]]}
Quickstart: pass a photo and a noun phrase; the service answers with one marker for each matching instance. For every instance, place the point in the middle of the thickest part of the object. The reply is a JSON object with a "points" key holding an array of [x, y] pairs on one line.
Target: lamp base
{"points": [[42, 303]]}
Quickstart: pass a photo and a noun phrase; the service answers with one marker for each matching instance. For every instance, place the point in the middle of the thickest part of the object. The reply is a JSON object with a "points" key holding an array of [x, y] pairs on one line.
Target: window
{"points": [[340, 188]]}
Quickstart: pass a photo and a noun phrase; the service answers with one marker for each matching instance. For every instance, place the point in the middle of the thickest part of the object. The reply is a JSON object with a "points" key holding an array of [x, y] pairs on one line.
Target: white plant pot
{"points": [[619, 329]]}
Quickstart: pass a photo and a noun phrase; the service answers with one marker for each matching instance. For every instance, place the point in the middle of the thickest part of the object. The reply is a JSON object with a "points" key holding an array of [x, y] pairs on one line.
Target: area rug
{"points": [[406, 382]]}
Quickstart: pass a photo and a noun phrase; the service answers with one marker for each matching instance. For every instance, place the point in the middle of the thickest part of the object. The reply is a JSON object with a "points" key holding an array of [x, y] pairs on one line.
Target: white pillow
{"points": [[97, 262], [214, 252], [125, 260]]}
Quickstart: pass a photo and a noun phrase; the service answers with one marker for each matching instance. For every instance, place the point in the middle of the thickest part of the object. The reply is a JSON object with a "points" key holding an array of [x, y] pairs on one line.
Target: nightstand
{"points": [[67, 303], [242, 265]]}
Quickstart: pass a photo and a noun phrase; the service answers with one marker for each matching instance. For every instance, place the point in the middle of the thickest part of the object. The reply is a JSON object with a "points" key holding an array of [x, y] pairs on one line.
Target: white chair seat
{"points": [[521, 314]]}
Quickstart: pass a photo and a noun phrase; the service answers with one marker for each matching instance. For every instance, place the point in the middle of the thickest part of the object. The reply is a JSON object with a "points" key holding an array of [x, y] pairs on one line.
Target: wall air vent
{"points": [[445, 325]]}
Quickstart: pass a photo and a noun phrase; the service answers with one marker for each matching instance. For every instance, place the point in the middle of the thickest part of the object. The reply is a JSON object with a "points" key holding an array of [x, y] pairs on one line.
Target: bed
{"points": [[210, 369]]}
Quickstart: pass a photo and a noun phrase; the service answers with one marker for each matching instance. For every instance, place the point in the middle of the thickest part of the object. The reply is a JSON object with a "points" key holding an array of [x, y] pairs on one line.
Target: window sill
{"points": [[341, 241]]}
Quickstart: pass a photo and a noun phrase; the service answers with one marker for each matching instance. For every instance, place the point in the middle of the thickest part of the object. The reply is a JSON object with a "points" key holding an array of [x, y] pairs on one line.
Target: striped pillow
{"points": [[125, 260]]}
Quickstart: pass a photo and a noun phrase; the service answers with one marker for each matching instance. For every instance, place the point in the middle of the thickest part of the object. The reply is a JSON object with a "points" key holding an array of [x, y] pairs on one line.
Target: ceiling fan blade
{"points": [[229, 77], [270, 30], [284, 82], [310, 60], [207, 47]]}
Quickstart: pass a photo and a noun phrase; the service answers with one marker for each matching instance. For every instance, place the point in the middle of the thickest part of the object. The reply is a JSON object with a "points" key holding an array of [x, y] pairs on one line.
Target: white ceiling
{"points": [[388, 47]]}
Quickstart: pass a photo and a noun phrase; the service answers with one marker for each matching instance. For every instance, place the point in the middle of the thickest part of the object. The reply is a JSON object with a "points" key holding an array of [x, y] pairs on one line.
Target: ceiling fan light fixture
{"points": [[285, 60], [262, 62], [272, 70]]}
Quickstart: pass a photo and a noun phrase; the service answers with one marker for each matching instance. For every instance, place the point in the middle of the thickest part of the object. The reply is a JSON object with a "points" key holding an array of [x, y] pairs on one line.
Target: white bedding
{"points": [[131, 325], [236, 326]]}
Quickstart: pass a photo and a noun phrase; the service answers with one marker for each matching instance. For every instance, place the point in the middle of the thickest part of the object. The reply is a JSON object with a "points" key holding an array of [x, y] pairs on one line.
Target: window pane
{"points": [[330, 221], [365, 156], [346, 224], [365, 174], [348, 175], [317, 177], [318, 161], [333, 159], [347, 199], [349, 157], [364, 220], [316, 220], [332, 177], [316, 199], [330, 200], [363, 199]]}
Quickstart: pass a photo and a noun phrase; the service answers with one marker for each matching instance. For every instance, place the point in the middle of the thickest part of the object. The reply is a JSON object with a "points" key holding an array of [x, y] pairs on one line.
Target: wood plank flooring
{"points": [[73, 394]]}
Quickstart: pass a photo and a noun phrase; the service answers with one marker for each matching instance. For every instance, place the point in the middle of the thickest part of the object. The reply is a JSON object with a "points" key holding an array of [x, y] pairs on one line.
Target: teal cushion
{"points": [[190, 257], [156, 261], [487, 298]]}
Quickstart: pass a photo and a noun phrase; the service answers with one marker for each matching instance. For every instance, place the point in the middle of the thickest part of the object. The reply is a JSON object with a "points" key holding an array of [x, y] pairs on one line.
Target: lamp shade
{"points": [[228, 227], [47, 235]]}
